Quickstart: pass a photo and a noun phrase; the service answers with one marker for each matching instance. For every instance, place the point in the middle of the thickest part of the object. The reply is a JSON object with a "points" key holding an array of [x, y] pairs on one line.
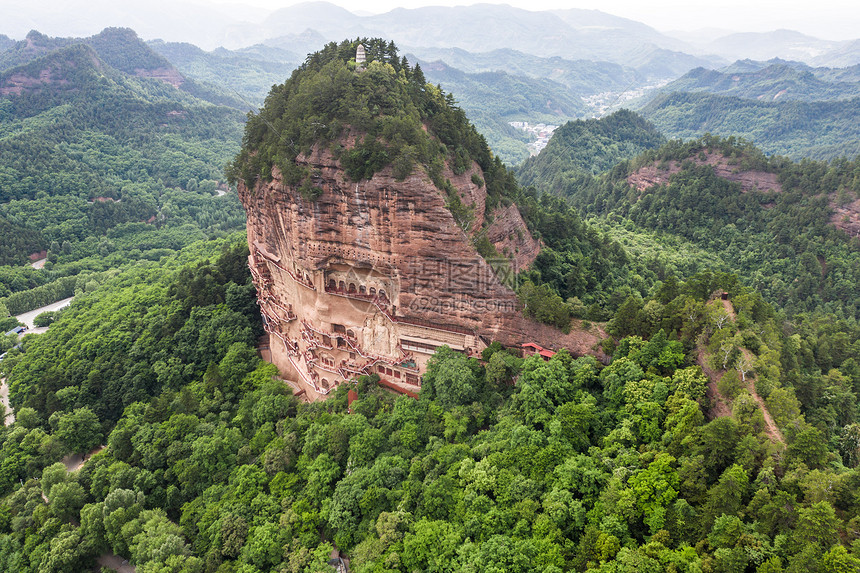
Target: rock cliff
{"points": [[373, 276], [400, 229], [750, 179], [365, 238], [382, 260]]}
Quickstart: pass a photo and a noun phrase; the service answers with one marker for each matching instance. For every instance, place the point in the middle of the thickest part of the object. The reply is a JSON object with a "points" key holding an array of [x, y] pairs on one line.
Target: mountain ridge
{"points": [[86, 148]]}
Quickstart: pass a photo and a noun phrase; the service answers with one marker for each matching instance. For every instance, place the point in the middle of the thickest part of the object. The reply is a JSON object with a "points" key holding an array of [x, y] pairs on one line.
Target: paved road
{"points": [[4, 398], [27, 317], [38, 264]]}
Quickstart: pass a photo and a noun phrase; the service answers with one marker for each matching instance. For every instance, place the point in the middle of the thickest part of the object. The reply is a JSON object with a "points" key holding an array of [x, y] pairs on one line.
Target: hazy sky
{"points": [[828, 19]]}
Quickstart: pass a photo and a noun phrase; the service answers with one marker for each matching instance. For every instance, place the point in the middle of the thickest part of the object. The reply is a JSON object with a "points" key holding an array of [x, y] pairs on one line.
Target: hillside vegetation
{"points": [[784, 108], [815, 130], [722, 435], [212, 465], [101, 167], [589, 147], [770, 220]]}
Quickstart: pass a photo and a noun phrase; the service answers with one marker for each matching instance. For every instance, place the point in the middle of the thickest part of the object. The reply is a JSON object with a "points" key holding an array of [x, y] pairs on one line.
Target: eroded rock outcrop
{"points": [[373, 276], [750, 179], [380, 225], [846, 217], [509, 235]]}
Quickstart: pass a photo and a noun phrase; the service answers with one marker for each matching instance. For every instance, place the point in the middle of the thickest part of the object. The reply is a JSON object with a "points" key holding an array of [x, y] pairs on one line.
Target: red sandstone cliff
{"points": [[750, 179], [398, 229], [373, 276]]}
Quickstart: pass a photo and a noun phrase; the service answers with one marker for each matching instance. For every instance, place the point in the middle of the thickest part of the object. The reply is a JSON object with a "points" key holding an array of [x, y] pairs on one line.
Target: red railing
{"points": [[271, 259], [288, 311], [323, 366], [308, 381], [380, 302]]}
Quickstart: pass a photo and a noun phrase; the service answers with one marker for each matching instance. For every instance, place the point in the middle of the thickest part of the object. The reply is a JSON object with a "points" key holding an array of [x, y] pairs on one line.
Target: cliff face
{"points": [[401, 230], [359, 271], [509, 235], [373, 276], [749, 179]]}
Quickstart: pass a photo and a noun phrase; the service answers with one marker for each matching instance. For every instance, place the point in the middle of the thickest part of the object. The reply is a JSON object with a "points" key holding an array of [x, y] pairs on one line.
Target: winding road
{"points": [[4, 399], [27, 318]]}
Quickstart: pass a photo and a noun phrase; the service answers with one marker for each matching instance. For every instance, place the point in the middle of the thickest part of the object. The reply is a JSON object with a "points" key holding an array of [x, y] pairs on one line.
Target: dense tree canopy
{"points": [[721, 435], [100, 167], [212, 465]]}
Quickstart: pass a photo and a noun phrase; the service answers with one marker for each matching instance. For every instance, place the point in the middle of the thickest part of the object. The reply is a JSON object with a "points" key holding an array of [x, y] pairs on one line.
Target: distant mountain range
{"points": [[503, 64], [772, 81], [85, 118], [784, 107], [581, 77], [301, 28], [786, 44], [248, 74], [101, 133], [122, 50], [570, 34]]}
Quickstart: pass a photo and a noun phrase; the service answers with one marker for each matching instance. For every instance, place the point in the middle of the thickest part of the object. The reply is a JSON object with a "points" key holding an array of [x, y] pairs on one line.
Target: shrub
{"points": [[542, 304], [45, 319]]}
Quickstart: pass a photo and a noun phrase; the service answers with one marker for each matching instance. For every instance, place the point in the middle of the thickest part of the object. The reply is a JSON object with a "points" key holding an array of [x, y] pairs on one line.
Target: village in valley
{"points": [[540, 131]]}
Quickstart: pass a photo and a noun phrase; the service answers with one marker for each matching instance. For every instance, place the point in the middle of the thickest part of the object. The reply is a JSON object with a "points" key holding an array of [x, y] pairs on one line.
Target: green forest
{"points": [[212, 465], [798, 129], [101, 168], [783, 107], [588, 147], [720, 433], [783, 242]]}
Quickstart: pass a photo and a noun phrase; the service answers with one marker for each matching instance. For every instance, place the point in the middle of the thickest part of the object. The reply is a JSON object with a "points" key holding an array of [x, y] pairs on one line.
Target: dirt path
{"points": [[730, 309], [771, 430], [75, 462], [116, 563], [719, 405]]}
